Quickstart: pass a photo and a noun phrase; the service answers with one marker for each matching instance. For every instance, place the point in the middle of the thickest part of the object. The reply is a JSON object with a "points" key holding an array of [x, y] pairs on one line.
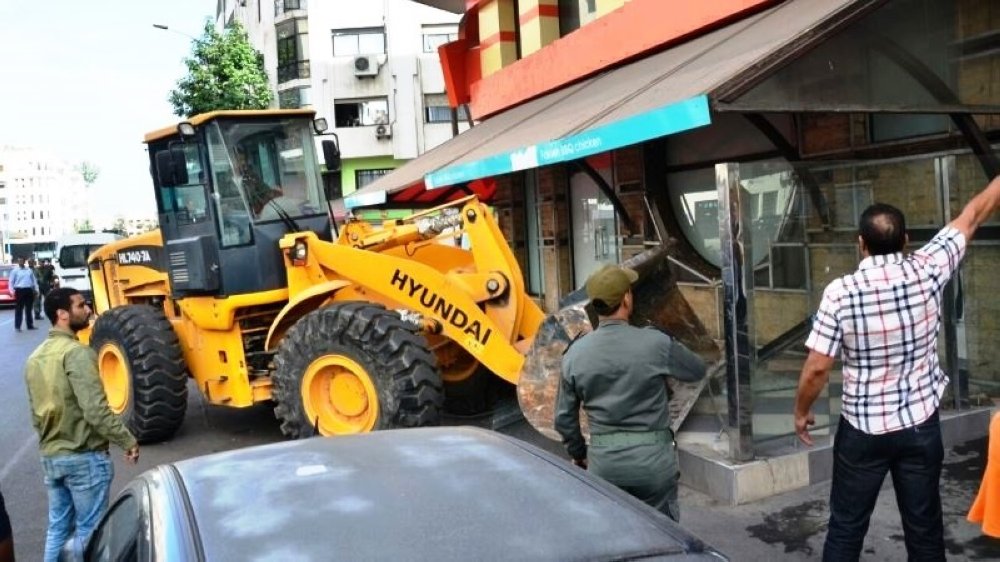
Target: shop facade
{"points": [[752, 142]]}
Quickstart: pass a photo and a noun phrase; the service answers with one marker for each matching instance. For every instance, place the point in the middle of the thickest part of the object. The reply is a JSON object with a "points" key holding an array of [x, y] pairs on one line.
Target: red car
{"points": [[5, 297]]}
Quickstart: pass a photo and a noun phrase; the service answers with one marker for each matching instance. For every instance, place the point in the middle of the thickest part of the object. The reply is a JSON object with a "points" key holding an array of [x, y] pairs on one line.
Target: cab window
{"points": [[186, 204]]}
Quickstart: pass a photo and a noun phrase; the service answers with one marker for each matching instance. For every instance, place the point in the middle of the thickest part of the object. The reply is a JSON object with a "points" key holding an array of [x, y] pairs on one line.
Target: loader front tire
{"points": [[354, 367], [142, 370]]}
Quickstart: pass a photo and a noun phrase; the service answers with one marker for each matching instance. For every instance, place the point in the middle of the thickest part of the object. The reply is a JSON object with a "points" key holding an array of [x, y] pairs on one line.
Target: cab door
{"points": [[187, 221]]}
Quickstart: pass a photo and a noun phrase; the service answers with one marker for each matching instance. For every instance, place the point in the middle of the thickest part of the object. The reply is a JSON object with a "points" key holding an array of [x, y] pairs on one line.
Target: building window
{"points": [[293, 50], [850, 200], [282, 6], [437, 110], [359, 41], [361, 113], [785, 267], [575, 13], [290, 99], [365, 177], [437, 35]]}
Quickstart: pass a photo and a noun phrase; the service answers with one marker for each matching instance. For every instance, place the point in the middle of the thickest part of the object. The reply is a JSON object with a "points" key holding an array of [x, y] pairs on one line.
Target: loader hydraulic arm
{"points": [[475, 298]]}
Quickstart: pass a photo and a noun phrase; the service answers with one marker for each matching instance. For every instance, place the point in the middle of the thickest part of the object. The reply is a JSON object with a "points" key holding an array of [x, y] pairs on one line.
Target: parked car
{"points": [[414, 494], [6, 299]]}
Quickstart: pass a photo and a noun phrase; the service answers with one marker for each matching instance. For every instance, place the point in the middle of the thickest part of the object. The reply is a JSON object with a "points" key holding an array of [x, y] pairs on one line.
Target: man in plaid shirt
{"points": [[884, 319]]}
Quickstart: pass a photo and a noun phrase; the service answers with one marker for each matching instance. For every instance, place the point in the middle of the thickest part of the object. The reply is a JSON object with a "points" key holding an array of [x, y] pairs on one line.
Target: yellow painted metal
{"points": [[115, 377], [213, 313], [339, 396], [440, 282], [203, 118], [302, 303]]}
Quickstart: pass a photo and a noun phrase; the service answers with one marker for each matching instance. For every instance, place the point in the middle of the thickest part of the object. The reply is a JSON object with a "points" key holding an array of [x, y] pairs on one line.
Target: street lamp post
{"points": [[167, 28]]}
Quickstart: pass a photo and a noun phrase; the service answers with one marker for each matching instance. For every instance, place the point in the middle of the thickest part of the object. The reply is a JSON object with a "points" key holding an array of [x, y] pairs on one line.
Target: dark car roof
{"points": [[416, 494]]}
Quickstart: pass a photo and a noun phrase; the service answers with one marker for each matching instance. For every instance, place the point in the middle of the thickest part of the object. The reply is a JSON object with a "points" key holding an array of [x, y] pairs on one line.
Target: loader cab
{"points": [[229, 185]]}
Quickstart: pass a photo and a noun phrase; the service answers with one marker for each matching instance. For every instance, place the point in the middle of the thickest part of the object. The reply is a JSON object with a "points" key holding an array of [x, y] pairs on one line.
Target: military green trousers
{"points": [[648, 472]]}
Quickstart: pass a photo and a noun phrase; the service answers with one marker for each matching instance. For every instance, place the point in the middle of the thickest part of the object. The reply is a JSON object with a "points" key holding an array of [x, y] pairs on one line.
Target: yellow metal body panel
{"points": [[450, 287], [303, 303], [472, 303], [203, 118]]}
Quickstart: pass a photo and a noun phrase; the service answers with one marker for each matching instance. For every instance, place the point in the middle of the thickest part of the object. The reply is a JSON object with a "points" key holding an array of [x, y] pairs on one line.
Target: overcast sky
{"points": [[87, 79]]}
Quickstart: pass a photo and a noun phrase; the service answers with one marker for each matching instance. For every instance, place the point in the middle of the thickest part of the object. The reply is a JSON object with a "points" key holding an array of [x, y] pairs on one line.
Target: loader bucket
{"points": [[658, 302]]}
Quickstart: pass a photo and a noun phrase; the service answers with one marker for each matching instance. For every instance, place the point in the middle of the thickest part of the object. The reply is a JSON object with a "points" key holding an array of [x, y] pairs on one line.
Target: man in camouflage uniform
{"points": [[618, 374]]}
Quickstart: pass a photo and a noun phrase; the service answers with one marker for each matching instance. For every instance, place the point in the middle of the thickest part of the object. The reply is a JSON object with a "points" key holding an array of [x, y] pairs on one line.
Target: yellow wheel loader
{"points": [[248, 288]]}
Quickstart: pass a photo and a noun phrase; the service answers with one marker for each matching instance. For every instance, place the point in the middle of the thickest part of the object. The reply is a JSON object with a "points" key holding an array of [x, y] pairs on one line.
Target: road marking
{"points": [[28, 444]]}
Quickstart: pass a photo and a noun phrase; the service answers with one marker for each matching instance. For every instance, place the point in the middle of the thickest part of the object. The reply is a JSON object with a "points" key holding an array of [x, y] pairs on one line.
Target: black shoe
{"points": [[18, 329], [38, 317], [32, 328]]}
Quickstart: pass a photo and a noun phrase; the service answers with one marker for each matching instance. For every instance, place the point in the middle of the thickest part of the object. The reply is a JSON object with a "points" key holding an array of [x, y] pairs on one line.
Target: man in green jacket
{"points": [[618, 373], [74, 423]]}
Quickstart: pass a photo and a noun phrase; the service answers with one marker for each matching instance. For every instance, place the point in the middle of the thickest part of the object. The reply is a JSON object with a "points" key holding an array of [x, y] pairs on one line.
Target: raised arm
{"points": [[978, 210]]}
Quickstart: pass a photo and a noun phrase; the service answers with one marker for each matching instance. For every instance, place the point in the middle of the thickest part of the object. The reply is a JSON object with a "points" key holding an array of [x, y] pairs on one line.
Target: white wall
{"points": [[38, 184], [406, 73]]}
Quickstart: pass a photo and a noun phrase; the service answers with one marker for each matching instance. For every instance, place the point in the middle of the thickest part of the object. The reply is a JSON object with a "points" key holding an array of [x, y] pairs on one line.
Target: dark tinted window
{"points": [[117, 537], [76, 256]]}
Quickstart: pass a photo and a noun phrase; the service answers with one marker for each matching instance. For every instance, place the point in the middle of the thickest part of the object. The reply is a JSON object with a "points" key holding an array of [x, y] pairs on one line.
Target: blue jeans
{"points": [[79, 487], [861, 461]]}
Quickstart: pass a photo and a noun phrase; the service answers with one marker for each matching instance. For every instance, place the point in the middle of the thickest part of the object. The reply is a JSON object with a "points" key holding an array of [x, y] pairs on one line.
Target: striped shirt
{"points": [[885, 317]]}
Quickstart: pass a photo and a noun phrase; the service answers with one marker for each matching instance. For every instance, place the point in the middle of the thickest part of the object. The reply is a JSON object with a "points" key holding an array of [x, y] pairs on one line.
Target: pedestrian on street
{"points": [[6, 534], [884, 320], [74, 423], [618, 374], [36, 303], [22, 286]]}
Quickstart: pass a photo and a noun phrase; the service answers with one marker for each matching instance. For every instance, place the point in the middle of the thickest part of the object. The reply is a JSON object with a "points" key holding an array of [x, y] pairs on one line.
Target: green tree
{"points": [[89, 171], [83, 226], [224, 72]]}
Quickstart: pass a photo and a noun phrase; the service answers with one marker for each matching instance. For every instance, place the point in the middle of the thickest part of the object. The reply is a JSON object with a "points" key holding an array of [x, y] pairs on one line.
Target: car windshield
{"points": [[76, 255], [265, 168]]}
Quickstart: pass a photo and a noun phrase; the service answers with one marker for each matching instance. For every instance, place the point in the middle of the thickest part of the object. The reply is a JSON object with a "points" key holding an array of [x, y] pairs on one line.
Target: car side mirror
{"points": [[179, 165], [331, 155]]}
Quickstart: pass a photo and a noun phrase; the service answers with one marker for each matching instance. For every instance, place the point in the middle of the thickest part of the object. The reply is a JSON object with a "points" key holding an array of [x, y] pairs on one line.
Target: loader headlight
{"points": [[300, 251]]}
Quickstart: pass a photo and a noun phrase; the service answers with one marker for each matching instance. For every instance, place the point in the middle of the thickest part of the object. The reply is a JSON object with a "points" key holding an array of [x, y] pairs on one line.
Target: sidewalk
{"points": [[792, 526]]}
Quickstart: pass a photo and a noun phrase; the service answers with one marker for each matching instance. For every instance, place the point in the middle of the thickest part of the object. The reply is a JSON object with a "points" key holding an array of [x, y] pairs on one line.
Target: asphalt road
{"points": [[787, 527]]}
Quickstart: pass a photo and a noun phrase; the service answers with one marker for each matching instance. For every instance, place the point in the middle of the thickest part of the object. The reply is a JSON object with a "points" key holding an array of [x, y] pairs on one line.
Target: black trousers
{"points": [[913, 456], [23, 299]]}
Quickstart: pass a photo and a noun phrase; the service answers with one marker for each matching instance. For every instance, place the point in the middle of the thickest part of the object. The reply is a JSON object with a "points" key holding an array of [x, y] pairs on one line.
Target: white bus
{"points": [[70, 262]]}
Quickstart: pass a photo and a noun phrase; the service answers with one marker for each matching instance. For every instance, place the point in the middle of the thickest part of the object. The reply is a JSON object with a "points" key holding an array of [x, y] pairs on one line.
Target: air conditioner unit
{"points": [[366, 65], [383, 131]]}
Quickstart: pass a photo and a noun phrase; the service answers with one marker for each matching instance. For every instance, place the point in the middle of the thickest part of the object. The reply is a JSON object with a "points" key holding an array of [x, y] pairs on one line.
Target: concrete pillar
{"points": [[539, 24], [498, 37]]}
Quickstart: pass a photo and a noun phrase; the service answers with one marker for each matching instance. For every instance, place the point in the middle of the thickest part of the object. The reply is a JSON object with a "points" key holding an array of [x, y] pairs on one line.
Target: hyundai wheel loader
{"points": [[250, 289]]}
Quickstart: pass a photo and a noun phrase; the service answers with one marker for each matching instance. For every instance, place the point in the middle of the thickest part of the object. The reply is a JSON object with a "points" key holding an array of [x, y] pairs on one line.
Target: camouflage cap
{"points": [[609, 284]]}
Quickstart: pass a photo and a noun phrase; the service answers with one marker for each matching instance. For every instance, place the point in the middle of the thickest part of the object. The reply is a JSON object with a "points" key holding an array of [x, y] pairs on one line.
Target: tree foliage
{"points": [[224, 72], [89, 172]]}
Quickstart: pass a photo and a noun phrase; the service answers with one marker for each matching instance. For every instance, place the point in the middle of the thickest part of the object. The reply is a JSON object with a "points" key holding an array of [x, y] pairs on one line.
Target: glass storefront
{"points": [[796, 252]]}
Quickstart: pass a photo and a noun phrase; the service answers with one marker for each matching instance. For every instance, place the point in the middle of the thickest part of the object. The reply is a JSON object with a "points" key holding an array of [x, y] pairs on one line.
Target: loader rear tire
{"points": [[351, 368], [142, 370]]}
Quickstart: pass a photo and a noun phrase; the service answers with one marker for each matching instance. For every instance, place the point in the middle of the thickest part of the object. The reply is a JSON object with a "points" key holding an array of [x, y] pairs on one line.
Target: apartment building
{"points": [[42, 197], [370, 68]]}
